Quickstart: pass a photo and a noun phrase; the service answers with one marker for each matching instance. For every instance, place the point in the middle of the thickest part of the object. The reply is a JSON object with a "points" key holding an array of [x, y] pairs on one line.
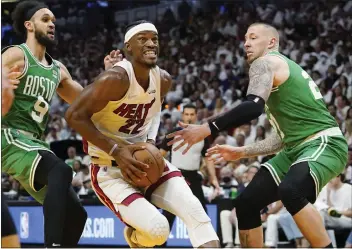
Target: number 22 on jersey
{"points": [[313, 87]]}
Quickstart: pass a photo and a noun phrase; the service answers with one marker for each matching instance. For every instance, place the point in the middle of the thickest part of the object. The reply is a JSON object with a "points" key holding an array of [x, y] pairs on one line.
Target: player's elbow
{"points": [[255, 105], [72, 116]]}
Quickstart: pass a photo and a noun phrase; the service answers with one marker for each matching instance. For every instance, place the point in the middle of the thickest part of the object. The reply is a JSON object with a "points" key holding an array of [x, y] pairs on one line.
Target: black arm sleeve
{"points": [[248, 110], [164, 145], [205, 147]]}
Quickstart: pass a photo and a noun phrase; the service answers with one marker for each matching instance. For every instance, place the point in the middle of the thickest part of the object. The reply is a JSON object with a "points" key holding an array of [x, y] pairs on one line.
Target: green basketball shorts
{"points": [[20, 159], [326, 157]]}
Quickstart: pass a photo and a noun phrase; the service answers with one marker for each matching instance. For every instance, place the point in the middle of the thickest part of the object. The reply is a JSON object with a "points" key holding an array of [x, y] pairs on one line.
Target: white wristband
{"points": [[112, 149]]}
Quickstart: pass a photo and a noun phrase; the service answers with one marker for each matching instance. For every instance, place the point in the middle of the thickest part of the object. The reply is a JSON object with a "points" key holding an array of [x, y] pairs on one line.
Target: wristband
{"points": [[112, 149]]}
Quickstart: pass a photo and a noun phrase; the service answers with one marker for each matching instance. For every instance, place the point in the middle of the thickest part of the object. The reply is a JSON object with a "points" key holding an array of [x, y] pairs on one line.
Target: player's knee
{"points": [[192, 213], [159, 230], [292, 197], [63, 171], [247, 212]]}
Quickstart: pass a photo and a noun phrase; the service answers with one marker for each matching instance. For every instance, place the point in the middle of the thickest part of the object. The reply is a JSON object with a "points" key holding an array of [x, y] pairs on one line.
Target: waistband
{"points": [[25, 133], [331, 132], [103, 161]]}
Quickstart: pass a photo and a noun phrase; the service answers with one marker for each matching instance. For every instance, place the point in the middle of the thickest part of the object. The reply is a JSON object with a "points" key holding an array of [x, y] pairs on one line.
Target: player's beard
{"points": [[150, 65], [44, 40]]}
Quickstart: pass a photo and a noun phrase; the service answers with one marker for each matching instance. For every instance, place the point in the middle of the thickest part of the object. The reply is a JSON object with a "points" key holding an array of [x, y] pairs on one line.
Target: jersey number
{"points": [[41, 107], [313, 87], [129, 124]]}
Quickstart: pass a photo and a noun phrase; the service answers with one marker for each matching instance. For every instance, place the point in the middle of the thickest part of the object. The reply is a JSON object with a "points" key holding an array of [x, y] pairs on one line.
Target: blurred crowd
{"points": [[203, 51]]}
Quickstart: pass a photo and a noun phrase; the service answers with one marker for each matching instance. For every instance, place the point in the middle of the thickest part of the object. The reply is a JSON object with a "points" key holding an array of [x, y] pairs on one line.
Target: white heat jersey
{"points": [[129, 118]]}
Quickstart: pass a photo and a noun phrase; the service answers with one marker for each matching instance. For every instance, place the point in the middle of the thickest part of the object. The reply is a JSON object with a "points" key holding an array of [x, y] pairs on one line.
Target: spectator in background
{"points": [[270, 218], [72, 156], [228, 218], [189, 164], [334, 202]]}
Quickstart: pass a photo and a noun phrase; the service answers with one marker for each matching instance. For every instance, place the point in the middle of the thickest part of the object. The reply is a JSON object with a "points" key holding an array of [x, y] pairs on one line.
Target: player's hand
{"points": [[131, 169], [11, 76], [111, 59], [224, 153], [9, 83], [190, 135]]}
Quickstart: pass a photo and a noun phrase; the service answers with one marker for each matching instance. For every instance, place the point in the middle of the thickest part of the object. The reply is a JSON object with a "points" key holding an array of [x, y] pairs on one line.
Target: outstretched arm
{"points": [[261, 76], [225, 153], [268, 146]]}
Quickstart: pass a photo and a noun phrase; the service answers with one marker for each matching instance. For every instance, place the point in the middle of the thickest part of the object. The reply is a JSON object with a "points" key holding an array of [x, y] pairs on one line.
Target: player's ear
{"points": [[272, 42], [29, 25], [128, 47]]}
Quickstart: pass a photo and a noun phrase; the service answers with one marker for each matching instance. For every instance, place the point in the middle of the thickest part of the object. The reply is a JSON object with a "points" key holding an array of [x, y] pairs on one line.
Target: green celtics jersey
{"points": [[30, 109], [296, 108]]}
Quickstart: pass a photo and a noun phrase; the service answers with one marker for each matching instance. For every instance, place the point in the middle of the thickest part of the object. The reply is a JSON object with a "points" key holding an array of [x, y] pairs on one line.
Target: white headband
{"points": [[139, 28]]}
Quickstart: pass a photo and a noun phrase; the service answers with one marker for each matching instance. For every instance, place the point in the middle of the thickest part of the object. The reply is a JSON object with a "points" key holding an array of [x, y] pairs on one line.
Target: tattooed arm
{"points": [[261, 77], [268, 146]]}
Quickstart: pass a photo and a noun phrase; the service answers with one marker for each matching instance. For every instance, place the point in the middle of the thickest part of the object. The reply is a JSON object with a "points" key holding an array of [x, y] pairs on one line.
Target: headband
{"points": [[139, 28], [31, 12]]}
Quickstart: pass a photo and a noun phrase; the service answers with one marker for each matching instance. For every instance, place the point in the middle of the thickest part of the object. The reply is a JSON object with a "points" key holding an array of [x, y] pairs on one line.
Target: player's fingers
{"points": [[14, 82], [137, 168], [131, 176], [15, 68], [180, 145], [134, 148], [126, 176], [186, 150], [215, 156], [14, 75], [183, 125], [175, 140], [173, 134], [212, 150], [219, 160]]}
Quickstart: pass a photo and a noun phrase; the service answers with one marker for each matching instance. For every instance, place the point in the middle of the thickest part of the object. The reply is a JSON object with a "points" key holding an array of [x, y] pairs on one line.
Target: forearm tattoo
{"points": [[270, 145], [260, 78]]}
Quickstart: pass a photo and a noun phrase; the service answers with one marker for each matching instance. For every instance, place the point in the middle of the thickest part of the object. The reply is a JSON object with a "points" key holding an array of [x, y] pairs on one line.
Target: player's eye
{"points": [[143, 39]]}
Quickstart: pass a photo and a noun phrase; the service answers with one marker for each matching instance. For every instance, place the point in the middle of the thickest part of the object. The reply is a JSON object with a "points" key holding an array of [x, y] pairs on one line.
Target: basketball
{"points": [[151, 156]]}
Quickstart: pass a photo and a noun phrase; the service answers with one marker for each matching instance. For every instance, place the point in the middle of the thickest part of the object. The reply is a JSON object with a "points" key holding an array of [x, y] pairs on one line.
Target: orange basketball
{"points": [[151, 156]]}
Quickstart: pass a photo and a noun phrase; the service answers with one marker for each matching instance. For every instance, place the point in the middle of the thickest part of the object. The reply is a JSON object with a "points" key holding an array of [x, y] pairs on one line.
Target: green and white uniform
{"points": [[297, 112], [24, 125]]}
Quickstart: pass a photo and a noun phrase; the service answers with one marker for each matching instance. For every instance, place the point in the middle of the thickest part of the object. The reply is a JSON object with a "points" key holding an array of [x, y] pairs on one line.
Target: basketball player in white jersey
{"points": [[123, 107]]}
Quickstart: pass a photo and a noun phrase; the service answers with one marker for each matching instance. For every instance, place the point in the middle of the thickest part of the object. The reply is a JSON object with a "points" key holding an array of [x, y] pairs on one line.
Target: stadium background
{"points": [[201, 45]]}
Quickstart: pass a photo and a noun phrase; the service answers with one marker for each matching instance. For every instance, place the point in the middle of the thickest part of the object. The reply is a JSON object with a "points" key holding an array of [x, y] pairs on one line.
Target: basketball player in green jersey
{"points": [[24, 155], [312, 149]]}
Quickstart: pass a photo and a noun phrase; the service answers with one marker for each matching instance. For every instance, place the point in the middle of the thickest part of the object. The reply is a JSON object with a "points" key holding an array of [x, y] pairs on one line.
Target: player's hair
{"points": [[189, 106], [19, 15], [131, 25], [270, 27]]}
